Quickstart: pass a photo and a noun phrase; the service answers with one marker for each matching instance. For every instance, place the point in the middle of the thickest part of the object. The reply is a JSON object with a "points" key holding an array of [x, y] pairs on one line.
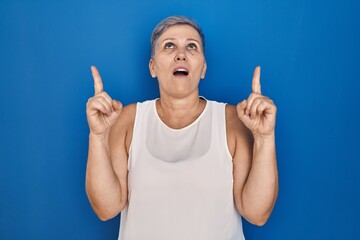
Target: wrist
{"points": [[102, 137], [262, 138]]}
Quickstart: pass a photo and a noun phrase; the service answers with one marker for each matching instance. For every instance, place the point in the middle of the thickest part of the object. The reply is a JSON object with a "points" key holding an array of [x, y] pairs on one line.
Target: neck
{"points": [[179, 113]]}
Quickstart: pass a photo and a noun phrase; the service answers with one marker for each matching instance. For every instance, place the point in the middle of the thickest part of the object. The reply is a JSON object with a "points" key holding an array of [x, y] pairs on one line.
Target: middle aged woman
{"points": [[181, 166]]}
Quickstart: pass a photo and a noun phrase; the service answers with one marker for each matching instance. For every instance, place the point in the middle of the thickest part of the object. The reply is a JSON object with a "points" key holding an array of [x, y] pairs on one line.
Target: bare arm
{"points": [[102, 185], [106, 172], [261, 188], [252, 143]]}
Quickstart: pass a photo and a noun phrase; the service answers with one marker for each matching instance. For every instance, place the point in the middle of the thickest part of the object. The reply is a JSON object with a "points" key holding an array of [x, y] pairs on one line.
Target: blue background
{"points": [[309, 53]]}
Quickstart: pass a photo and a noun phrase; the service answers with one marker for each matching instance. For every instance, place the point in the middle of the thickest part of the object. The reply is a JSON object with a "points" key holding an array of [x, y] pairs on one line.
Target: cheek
{"points": [[161, 65], [201, 67]]}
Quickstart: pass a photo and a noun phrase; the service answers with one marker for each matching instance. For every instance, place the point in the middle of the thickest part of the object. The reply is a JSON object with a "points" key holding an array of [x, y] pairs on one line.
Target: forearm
{"points": [[102, 185], [261, 187]]}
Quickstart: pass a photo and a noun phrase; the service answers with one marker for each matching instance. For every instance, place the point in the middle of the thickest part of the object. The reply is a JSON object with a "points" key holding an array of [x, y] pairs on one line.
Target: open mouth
{"points": [[181, 72]]}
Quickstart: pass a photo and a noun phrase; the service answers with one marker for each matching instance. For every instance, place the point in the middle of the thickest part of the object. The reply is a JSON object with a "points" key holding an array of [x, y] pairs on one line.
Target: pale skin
{"points": [[250, 128]]}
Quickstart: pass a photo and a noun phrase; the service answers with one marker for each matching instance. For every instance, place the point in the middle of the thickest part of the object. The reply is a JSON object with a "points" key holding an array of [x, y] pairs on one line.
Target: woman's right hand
{"points": [[101, 111]]}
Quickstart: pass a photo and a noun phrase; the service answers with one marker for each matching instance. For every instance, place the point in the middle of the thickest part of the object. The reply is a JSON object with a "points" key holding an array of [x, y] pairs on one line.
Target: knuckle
{"points": [[105, 96], [89, 101], [263, 105], [102, 99], [270, 102], [252, 95], [254, 107]]}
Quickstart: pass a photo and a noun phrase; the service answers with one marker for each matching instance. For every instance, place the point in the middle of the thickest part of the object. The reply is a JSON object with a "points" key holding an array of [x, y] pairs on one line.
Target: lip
{"points": [[179, 68]]}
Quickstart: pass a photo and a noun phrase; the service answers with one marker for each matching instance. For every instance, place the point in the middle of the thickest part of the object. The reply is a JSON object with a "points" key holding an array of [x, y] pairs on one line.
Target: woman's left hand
{"points": [[258, 113]]}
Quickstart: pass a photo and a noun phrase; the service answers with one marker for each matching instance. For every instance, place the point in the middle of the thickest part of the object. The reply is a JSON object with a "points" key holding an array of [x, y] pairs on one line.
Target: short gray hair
{"points": [[172, 21]]}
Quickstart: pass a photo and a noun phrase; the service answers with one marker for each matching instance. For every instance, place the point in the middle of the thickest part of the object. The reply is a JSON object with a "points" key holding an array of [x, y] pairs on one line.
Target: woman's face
{"points": [[179, 61]]}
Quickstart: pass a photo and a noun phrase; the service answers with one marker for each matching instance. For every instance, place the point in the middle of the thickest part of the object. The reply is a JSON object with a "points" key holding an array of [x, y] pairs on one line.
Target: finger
{"points": [[105, 96], [102, 105], [107, 104], [250, 101], [98, 85], [241, 107], [254, 107], [95, 107], [117, 105], [270, 107], [256, 87], [262, 107]]}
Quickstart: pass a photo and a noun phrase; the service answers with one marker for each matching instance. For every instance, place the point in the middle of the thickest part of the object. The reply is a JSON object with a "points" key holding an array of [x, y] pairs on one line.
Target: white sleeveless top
{"points": [[180, 180]]}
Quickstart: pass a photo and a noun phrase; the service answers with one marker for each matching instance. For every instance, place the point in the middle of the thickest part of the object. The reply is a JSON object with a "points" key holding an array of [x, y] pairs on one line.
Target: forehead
{"points": [[180, 32]]}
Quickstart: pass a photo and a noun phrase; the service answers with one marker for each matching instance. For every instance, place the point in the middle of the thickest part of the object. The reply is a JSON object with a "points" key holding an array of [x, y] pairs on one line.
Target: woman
{"points": [[181, 166]]}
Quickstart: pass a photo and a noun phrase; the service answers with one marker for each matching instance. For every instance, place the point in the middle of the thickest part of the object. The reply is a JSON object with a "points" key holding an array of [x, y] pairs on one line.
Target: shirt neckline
{"points": [[186, 127]]}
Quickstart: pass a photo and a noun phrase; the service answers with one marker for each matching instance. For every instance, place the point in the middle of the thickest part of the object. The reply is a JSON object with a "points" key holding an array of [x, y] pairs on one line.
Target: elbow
{"points": [[103, 214], [109, 212], [106, 211], [259, 221], [256, 218], [106, 214], [103, 217], [104, 208]]}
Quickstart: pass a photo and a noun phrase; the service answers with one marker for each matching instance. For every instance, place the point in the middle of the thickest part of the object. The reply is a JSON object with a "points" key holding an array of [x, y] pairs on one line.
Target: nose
{"points": [[180, 56]]}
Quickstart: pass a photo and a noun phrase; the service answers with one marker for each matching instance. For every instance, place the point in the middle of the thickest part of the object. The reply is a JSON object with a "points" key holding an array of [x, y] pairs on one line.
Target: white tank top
{"points": [[180, 180]]}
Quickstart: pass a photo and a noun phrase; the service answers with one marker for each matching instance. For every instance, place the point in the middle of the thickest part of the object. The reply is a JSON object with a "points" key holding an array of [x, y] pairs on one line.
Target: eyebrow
{"points": [[192, 39], [188, 39], [167, 39]]}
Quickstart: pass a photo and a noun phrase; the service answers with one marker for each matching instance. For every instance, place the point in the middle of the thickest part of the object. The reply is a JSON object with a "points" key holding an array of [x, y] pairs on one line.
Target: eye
{"points": [[169, 45], [192, 46]]}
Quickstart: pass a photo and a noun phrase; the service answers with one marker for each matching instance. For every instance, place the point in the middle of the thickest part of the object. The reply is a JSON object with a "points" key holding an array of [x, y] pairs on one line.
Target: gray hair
{"points": [[171, 21]]}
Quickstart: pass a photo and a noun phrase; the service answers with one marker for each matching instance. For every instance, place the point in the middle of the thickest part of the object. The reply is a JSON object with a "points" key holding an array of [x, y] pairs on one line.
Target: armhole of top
{"points": [[133, 138], [225, 140]]}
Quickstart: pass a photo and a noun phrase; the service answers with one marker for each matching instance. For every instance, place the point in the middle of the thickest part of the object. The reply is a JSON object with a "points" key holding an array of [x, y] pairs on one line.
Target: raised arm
{"points": [[254, 155], [106, 172]]}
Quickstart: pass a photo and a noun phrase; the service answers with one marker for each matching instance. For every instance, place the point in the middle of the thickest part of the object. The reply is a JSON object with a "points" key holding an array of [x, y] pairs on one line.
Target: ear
{"points": [[203, 73], [152, 68]]}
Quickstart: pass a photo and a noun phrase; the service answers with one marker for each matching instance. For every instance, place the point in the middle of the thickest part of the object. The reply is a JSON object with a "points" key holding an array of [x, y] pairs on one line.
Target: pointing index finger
{"points": [[256, 87], [98, 85]]}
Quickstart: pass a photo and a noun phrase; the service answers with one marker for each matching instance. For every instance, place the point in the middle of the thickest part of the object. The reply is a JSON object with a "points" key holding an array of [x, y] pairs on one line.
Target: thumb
{"points": [[241, 108], [117, 105]]}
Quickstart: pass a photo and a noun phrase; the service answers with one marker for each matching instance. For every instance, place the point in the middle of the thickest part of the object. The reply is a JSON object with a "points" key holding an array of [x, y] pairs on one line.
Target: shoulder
{"points": [[231, 115], [121, 131], [233, 123], [126, 118], [238, 136]]}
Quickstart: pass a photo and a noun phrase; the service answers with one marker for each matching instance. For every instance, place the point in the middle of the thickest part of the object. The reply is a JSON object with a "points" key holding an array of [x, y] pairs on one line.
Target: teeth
{"points": [[180, 71]]}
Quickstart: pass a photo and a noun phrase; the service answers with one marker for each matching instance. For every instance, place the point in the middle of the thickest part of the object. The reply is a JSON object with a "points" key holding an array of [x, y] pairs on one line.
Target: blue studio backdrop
{"points": [[309, 53]]}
